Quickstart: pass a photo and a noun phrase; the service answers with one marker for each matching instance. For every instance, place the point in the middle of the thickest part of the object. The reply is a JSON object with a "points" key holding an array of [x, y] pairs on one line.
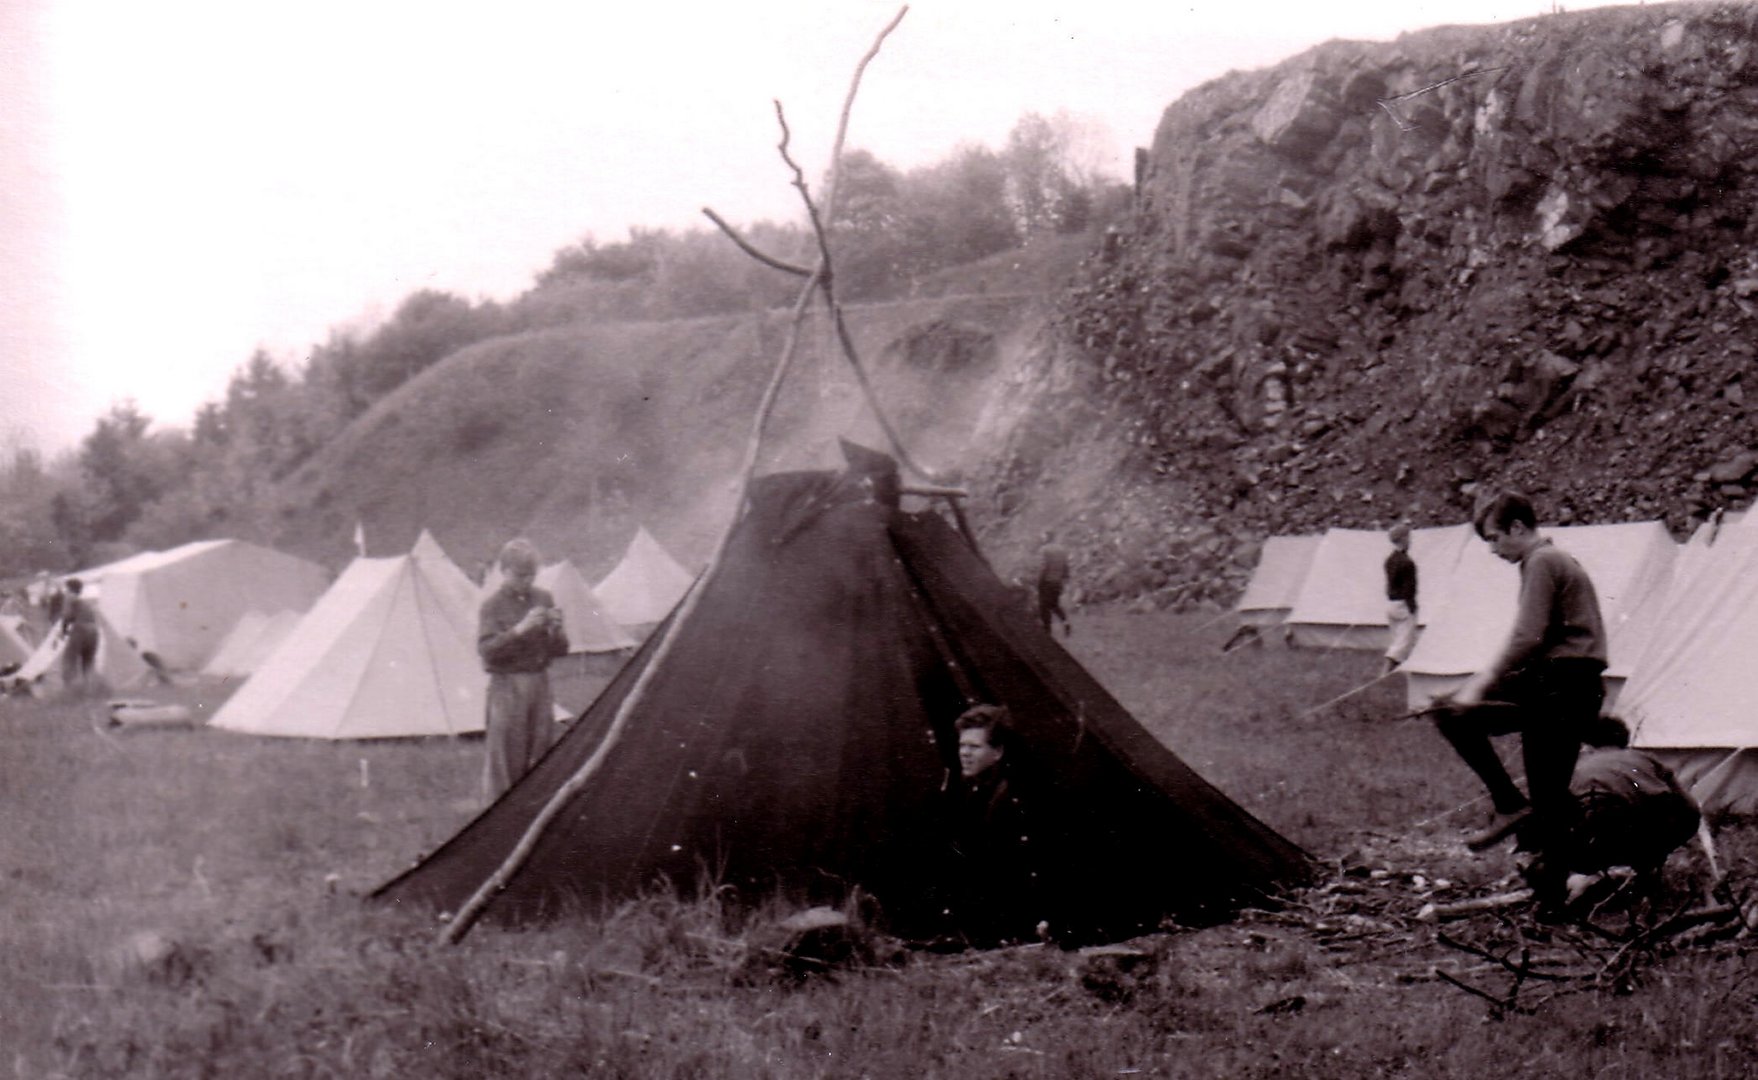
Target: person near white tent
{"points": [[519, 632], [80, 623], [1631, 811], [1400, 597], [1544, 684]]}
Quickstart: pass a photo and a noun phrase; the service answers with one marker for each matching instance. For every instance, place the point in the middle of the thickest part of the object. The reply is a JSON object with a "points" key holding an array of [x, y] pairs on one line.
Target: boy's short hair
{"points": [[518, 553], [1606, 731], [1503, 512], [1398, 532], [993, 720]]}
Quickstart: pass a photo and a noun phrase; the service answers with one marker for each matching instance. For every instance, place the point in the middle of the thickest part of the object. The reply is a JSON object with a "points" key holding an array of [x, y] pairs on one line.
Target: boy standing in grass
{"points": [[1544, 684], [1400, 597], [80, 622], [518, 633]]}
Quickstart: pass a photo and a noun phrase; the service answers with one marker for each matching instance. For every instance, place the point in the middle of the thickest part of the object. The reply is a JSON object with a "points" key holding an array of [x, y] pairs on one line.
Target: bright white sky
{"points": [[182, 181]]}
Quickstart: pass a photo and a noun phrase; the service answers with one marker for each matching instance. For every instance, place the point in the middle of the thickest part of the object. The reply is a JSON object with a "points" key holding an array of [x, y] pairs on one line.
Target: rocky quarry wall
{"points": [[1379, 280]]}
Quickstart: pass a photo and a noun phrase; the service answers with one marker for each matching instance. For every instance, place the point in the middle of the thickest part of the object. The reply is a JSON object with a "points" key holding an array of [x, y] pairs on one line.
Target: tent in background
{"points": [[14, 649], [1342, 599], [389, 651], [446, 574], [797, 735], [180, 604], [250, 643], [645, 585], [590, 629], [1281, 568], [1475, 609], [1687, 698]]}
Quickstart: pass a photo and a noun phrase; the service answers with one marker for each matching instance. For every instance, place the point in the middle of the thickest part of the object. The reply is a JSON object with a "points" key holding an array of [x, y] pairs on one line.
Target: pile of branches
{"points": [[1492, 943]]}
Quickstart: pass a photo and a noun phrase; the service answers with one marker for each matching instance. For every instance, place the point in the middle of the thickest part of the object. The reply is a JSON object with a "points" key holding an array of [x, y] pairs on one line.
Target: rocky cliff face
{"points": [[1380, 279]]}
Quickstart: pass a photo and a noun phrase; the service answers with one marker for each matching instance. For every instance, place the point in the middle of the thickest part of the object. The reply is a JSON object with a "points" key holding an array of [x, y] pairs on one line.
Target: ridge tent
{"points": [[1688, 699], [14, 649], [447, 575], [250, 643], [388, 652], [1342, 599], [796, 736], [645, 585], [589, 628], [180, 604], [1275, 582], [1627, 562]]}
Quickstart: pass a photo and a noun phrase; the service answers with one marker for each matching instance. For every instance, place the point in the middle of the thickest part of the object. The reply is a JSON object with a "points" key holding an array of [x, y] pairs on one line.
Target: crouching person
{"points": [[1631, 812]]}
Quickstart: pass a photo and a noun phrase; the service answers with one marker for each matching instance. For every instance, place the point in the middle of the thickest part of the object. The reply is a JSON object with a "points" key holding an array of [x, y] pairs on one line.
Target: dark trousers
{"points": [[1550, 704], [1050, 603]]}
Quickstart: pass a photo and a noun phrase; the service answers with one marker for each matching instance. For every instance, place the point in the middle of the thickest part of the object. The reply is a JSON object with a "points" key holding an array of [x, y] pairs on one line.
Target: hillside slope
{"points": [[574, 436]]}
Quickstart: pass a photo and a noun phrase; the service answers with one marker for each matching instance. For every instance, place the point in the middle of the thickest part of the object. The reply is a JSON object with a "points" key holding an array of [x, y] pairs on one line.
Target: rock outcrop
{"points": [[1378, 280]]}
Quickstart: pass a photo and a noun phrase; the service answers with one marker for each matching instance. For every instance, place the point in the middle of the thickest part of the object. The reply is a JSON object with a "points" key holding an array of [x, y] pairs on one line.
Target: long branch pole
{"points": [[473, 908]]}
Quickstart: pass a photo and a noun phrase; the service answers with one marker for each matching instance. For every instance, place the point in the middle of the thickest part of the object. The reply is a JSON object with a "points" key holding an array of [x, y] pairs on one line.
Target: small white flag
{"points": [[360, 538]]}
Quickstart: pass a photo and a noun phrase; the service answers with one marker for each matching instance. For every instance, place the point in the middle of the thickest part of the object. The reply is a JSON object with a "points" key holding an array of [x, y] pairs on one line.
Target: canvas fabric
{"points": [[799, 736]]}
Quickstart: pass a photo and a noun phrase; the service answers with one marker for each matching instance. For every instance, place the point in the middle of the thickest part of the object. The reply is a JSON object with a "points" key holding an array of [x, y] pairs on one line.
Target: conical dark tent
{"points": [[799, 733]]}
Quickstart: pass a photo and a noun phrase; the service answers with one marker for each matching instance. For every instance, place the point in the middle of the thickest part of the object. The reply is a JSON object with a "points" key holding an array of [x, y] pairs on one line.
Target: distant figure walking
{"points": [[79, 621], [1052, 579], [1400, 597], [518, 633]]}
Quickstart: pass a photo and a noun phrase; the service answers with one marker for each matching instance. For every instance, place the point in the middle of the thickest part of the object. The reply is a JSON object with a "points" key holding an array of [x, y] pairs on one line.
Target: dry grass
{"points": [[173, 913]]}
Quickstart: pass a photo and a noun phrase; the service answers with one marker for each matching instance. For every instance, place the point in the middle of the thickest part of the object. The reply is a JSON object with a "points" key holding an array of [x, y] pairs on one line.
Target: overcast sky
{"points": [[182, 181]]}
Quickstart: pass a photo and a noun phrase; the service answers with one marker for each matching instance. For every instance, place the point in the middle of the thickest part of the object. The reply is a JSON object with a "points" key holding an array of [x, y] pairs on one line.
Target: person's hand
{"points": [[1468, 695]]}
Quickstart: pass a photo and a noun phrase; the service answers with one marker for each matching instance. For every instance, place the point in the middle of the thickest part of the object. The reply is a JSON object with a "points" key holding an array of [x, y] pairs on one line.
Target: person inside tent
{"points": [[995, 893], [1400, 597], [518, 633], [79, 621], [1544, 684], [1631, 811]]}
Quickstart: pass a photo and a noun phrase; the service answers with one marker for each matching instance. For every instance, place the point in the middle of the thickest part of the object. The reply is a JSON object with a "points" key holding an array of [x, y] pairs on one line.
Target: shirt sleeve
{"points": [[1538, 590], [495, 640]]}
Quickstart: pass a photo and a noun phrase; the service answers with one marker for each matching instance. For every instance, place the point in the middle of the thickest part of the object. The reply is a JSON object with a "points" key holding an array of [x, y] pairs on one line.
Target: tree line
{"points": [[133, 485]]}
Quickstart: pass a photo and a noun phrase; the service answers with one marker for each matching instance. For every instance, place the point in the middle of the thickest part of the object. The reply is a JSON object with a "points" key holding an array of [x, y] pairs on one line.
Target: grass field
{"points": [[186, 903]]}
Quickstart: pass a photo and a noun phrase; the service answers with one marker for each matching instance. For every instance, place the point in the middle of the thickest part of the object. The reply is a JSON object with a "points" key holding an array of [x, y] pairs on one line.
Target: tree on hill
{"points": [[122, 469], [28, 538]]}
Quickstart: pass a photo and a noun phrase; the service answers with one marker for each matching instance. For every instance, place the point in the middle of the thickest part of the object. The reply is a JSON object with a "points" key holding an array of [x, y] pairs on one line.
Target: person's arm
{"points": [[1538, 588], [496, 640]]}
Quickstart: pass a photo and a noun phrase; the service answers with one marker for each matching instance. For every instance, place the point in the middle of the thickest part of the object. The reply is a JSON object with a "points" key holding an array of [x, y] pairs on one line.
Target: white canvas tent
{"points": [[1687, 698], [1281, 568], [389, 651], [1342, 601], [14, 649], [250, 643], [645, 585], [1475, 608], [180, 604]]}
